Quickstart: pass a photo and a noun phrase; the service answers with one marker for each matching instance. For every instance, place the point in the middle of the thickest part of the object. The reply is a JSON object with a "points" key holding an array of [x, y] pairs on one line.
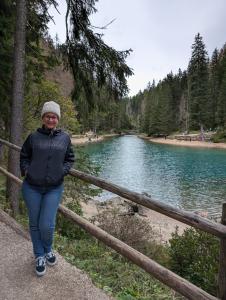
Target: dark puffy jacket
{"points": [[46, 157]]}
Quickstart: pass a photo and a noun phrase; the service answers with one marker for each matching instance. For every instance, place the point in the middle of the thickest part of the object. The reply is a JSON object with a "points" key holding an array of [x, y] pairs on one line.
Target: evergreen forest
{"points": [[191, 100], [95, 95]]}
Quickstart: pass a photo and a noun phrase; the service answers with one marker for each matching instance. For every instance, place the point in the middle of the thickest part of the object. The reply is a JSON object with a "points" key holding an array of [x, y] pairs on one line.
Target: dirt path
{"points": [[18, 280]]}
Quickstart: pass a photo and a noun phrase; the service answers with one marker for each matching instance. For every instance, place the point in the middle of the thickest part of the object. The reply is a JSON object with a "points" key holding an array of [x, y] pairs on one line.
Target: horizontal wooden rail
{"points": [[167, 277], [189, 218], [10, 175], [186, 217], [8, 220], [15, 147], [179, 284]]}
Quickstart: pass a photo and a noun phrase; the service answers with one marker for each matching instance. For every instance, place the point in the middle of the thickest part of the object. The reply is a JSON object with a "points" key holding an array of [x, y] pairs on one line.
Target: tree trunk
{"points": [[16, 128], [1, 153]]}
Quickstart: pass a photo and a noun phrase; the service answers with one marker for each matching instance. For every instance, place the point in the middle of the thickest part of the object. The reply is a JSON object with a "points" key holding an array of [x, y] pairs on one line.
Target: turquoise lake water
{"points": [[189, 178]]}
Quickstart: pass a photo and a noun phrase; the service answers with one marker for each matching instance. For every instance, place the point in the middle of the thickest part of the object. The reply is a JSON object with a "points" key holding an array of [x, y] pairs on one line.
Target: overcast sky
{"points": [[160, 32]]}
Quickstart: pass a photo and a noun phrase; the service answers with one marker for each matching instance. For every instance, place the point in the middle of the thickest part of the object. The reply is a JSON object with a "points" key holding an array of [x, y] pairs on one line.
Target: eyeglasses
{"points": [[51, 117]]}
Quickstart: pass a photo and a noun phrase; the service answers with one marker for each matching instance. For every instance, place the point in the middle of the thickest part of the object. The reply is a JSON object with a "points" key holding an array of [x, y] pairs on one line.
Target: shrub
{"points": [[195, 256], [219, 136], [66, 227], [134, 231], [129, 229]]}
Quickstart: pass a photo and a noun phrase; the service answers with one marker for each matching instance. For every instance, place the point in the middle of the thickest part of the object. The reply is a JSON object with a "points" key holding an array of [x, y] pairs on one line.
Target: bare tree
{"points": [[16, 126]]}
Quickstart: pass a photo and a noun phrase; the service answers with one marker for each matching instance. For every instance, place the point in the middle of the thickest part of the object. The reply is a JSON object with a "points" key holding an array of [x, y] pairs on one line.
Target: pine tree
{"points": [[214, 85], [199, 108], [7, 11], [90, 59], [221, 96], [165, 109], [154, 113]]}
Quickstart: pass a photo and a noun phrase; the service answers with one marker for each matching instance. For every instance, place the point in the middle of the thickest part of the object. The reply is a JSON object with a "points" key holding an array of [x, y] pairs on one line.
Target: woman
{"points": [[45, 158]]}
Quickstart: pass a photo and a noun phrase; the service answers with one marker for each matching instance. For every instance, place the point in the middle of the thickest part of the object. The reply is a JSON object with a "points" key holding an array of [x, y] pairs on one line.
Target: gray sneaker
{"points": [[51, 259], [40, 265]]}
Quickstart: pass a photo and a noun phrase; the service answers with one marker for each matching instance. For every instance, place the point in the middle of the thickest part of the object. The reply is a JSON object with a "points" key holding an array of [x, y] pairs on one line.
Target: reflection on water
{"points": [[189, 178]]}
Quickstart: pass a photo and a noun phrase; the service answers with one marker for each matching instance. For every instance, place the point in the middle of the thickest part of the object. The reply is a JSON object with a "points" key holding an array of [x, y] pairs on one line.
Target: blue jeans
{"points": [[42, 204]]}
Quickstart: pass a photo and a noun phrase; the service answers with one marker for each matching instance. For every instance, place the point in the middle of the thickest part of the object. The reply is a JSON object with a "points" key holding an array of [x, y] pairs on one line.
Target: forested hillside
{"points": [[41, 59], [84, 75], [189, 100]]}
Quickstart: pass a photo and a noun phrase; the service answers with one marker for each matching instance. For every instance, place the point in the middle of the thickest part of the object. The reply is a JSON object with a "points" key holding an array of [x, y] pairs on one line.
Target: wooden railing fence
{"points": [[179, 284]]}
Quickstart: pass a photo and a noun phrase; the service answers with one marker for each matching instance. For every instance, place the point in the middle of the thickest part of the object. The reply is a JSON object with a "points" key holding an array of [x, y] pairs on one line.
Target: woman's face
{"points": [[50, 120]]}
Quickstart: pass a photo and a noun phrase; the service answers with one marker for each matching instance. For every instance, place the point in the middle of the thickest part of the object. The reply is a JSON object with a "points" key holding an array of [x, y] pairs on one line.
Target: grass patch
{"points": [[110, 271]]}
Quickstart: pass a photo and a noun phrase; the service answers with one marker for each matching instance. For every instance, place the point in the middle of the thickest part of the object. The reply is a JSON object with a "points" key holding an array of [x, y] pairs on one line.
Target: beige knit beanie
{"points": [[51, 107]]}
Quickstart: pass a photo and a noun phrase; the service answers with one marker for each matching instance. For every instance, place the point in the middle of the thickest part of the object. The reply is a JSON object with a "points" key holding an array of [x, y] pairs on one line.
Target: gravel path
{"points": [[18, 280]]}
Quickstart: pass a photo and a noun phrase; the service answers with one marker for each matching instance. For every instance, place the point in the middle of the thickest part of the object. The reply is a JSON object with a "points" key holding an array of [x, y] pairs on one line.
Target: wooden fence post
{"points": [[222, 261]]}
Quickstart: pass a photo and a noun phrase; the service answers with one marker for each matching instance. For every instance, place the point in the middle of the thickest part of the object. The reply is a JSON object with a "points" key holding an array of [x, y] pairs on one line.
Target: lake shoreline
{"points": [[194, 144], [162, 225], [84, 140]]}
